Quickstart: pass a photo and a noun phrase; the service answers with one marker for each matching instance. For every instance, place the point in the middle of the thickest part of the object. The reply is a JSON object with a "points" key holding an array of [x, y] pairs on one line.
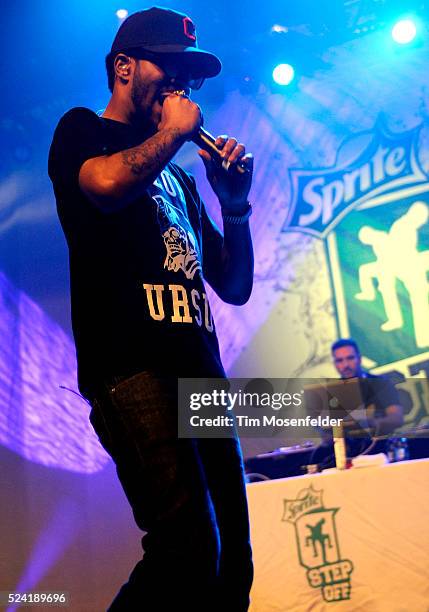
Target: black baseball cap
{"points": [[160, 30]]}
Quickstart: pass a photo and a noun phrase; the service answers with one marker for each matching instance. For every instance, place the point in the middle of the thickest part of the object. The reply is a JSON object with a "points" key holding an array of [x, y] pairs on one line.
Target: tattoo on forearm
{"points": [[151, 155]]}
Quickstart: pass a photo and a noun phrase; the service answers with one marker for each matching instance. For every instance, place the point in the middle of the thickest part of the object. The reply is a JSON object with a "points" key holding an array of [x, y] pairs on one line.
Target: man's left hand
{"points": [[231, 187]]}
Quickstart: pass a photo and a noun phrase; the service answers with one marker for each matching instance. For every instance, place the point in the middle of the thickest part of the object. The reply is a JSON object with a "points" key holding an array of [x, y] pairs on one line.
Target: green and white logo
{"points": [[317, 543], [372, 212], [379, 259]]}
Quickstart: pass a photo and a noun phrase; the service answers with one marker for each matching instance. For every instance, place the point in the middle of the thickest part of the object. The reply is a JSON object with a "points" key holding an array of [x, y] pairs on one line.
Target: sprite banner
{"points": [[318, 545], [372, 212]]}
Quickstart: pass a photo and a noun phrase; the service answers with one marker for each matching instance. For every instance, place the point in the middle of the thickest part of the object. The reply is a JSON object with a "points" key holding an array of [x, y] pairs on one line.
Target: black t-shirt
{"points": [[378, 391], [137, 292]]}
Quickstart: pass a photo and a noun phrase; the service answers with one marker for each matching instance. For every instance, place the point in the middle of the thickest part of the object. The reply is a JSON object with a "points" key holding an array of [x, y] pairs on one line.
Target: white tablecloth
{"points": [[347, 541]]}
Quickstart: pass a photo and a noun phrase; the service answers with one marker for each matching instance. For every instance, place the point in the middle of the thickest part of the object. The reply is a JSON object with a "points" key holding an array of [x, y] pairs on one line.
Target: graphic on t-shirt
{"points": [[180, 243], [176, 302], [181, 253]]}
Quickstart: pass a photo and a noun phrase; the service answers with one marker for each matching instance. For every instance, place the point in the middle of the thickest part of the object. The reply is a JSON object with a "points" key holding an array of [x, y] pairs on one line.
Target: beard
{"points": [[143, 107]]}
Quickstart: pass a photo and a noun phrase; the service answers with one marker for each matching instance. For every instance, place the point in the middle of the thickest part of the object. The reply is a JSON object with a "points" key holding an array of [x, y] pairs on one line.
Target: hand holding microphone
{"points": [[207, 142], [228, 166]]}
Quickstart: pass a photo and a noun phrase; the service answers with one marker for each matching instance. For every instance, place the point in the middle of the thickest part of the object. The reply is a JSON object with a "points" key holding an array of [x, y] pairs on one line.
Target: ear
{"points": [[124, 66]]}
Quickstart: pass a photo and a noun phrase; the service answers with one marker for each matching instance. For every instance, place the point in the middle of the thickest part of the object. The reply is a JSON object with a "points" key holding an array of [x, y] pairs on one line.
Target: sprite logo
{"points": [[371, 209], [317, 543], [368, 165]]}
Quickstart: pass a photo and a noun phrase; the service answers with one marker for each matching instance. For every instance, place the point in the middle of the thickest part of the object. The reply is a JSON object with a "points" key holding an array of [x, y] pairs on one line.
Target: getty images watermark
{"points": [[284, 408]]}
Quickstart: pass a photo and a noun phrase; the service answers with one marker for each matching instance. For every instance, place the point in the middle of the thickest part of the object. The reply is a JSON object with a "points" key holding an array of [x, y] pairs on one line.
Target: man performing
{"points": [[140, 244]]}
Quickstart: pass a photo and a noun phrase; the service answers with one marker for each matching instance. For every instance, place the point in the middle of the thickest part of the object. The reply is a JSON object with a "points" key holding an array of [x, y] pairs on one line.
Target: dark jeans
{"points": [[187, 494]]}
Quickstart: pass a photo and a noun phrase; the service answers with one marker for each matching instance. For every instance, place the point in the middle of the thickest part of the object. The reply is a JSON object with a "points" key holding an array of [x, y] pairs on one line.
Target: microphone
{"points": [[207, 142]]}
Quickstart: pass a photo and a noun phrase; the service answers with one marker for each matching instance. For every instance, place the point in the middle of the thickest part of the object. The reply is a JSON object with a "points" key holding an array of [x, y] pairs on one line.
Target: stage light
{"points": [[40, 420], [277, 28], [404, 31], [122, 13], [283, 74]]}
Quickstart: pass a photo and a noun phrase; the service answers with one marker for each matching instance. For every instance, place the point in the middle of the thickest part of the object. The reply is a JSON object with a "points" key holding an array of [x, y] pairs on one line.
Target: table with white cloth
{"points": [[343, 541]]}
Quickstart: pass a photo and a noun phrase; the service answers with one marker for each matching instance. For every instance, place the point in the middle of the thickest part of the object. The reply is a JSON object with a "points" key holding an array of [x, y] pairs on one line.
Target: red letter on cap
{"points": [[189, 28]]}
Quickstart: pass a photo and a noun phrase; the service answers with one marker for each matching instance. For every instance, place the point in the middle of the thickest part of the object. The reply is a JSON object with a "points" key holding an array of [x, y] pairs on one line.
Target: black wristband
{"points": [[237, 219]]}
